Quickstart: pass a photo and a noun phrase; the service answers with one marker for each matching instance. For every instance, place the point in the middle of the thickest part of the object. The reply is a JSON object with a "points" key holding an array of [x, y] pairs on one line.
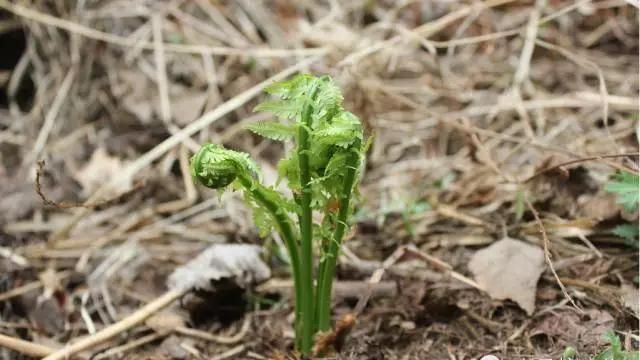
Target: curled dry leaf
{"points": [[240, 262], [509, 269]]}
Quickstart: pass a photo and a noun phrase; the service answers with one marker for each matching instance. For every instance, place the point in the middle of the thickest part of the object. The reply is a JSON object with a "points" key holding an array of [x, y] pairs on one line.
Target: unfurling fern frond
{"points": [[321, 93], [216, 167], [322, 174], [344, 130], [273, 130]]}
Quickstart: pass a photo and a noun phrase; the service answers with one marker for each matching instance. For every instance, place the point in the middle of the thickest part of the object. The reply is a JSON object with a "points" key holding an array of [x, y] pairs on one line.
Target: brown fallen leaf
{"points": [[187, 106], [570, 326], [100, 168], [509, 269], [135, 97]]}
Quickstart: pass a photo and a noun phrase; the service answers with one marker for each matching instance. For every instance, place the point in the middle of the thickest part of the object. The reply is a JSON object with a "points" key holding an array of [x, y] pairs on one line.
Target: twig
{"points": [[128, 346], [547, 254], [576, 161], [216, 338], [161, 71], [204, 121], [70, 205], [94, 34], [34, 285], [229, 353], [24, 347], [424, 30], [444, 266], [51, 116], [376, 277], [121, 326]]}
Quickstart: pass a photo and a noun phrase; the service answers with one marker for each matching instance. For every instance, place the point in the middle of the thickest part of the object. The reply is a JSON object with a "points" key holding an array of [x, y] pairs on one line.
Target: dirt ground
{"points": [[483, 226]]}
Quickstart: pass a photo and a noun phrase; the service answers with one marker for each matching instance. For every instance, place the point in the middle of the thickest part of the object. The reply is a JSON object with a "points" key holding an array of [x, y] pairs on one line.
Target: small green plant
{"points": [[569, 353], [614, 351], [321, 170], [626, 186]]}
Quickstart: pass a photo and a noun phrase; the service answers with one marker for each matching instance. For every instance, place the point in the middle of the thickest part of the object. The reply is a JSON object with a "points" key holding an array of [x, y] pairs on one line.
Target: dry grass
{"points": [[471, 104]]}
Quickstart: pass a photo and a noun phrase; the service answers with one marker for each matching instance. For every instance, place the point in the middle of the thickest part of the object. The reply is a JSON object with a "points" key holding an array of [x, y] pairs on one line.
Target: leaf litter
{"points": [[429, 79]]}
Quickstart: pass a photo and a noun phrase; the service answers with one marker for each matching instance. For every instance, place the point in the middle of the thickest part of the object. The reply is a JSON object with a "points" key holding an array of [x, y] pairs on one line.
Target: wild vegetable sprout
{"points": [[321, 171]]}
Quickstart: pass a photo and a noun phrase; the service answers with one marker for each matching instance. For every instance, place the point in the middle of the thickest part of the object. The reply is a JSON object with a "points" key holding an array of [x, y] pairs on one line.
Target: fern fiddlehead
{"points": [[322, 173], [216, 167]]}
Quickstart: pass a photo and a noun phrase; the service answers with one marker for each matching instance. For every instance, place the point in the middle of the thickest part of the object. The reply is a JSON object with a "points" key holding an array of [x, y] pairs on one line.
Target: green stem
{"points": [[306, 226], [325, 282], [259, 193], [321, 268]]}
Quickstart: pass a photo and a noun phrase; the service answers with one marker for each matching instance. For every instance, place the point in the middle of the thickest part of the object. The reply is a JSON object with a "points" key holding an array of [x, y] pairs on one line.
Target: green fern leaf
{"points": [[625, 186], [273, 130], [344, 130], [284, 109]]}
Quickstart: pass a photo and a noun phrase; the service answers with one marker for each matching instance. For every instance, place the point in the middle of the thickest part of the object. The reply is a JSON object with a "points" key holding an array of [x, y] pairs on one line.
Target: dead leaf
{"points": [[99, 170], [134, 94], [165, 322], [630, 298], [570, 326], [241, 262], [509, 269], [186, 107]]}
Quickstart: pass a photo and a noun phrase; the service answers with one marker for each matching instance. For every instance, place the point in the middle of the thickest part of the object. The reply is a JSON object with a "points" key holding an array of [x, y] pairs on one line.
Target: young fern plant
{"points": [[321, 170]]}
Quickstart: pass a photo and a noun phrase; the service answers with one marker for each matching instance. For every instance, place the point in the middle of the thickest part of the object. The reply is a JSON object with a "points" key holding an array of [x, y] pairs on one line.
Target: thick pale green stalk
{"points": [[285, 229], [306, 226], [322, 264], [325, 282]]}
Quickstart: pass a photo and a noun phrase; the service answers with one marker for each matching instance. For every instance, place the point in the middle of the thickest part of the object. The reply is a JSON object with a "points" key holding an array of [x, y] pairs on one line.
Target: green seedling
{"points": [[321, 170], [615, 351], [625, 186]]}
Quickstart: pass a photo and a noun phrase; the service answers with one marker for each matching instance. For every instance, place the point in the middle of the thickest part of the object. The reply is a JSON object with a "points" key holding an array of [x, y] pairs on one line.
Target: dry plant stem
{"points": [[120, 350], [230, 353], [424, 30], [29, 287], [306, 229], [24, 347], [444, 266], [90, 33], [576, 161], [547, 254], [52, 114], [179, 137], [216, 338], [121, 326]]}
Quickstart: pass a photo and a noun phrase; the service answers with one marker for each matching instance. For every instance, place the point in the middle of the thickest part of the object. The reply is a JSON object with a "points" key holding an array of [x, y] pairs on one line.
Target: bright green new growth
{"points": [[321, 172], [626, 187], [615, 351]]}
